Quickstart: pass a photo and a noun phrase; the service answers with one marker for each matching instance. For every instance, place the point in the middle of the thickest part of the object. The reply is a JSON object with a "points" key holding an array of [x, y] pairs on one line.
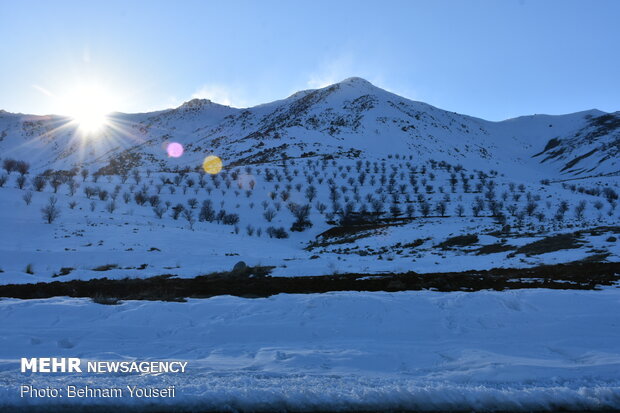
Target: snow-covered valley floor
{"points": [[511, 350]]}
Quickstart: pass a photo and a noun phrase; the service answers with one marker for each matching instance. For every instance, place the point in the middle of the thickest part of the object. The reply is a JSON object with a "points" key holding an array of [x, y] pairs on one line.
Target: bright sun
{"points": [[89, 106]]}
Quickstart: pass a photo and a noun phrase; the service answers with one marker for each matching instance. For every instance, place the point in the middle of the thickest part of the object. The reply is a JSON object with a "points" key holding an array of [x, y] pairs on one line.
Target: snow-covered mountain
{"points": [[361, 200], [347, 119]]}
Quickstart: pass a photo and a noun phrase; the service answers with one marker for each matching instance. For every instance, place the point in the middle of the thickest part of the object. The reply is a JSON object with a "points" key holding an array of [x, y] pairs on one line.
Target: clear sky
{"points": [[492, 59]]}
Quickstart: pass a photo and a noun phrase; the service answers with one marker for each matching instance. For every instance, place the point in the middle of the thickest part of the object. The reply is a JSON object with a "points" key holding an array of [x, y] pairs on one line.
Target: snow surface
{"points": [[512, 350]]}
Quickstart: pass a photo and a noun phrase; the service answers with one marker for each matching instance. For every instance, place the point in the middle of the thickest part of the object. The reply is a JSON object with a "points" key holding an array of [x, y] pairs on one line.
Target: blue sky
{"points": [[491, 59]]}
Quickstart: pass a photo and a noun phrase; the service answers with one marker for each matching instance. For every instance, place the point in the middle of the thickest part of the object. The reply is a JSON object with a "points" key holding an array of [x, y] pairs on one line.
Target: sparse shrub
{"points": [[279, 233], [188, 214], [22, 167], [154, 200], [207, 213], [598, 205], [27, 197], [39, 182], [90, 191], [176, 211], [20, 181], [530, 208], [409, 210], [458, 241], [425, 209], [9, 165], [55, 182], [441, 208], [310, 193], [580, 209], [159, 211], [269, 214], [395, 210], [140, 198], [376, 206], [460, 210], [72, 185], [562, 209], [230, 219]]}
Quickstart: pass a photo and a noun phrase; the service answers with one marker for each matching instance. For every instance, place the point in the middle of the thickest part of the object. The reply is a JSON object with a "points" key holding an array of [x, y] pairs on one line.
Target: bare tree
{"points": [[55, 182], [192, 203], [530, 208], [580, 209], [301, 214], [425, 209], [39, 182], [50, 212], [177, 210], [22, 167], [9, 165], [310, 193], [188, 214], [159, 211], [441, 208], [460, 210], [90, 191], [207, 213], [73, 186]]}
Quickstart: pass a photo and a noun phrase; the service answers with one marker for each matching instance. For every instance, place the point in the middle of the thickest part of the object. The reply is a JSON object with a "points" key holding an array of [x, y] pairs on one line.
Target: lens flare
{"points": [[175, 150], [212, 164]]}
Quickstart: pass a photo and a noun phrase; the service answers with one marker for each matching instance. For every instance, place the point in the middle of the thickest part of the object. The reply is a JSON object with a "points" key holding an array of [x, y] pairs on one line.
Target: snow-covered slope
{"points": [[351, 118]]}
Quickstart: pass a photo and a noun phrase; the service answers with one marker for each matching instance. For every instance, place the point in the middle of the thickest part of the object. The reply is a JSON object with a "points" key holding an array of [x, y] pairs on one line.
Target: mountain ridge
{"points": [[349, 118]]}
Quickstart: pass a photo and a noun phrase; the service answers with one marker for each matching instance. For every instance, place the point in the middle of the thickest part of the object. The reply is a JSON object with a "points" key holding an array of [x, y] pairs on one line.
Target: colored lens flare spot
{"points": [[174, 149], [212, 164]]}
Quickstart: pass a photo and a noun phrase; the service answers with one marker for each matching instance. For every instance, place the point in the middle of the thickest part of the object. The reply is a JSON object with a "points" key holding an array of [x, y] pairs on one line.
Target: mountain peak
{"points": [[357, 84], [195, 103], [355, 81]]}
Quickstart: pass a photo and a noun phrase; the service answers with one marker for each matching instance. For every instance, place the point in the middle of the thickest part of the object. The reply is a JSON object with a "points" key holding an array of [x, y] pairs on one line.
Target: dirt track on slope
{"points": [[255, 282]]}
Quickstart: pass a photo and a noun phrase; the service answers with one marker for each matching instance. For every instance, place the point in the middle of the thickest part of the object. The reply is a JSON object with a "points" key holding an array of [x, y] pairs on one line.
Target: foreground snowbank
{"points": [[511, 350]]}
